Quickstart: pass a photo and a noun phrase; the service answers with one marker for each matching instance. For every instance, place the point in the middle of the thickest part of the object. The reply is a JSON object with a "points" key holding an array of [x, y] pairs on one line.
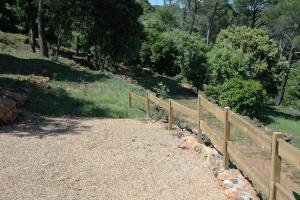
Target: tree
{"points": [[283, 24], [265, 64], [41, 31], [26, 11], [112, 29], [249, 12], [227, 62], [59, 10]]}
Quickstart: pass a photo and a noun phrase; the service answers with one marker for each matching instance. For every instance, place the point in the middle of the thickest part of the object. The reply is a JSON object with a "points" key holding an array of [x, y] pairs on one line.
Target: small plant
{"points": [[162, 91]]}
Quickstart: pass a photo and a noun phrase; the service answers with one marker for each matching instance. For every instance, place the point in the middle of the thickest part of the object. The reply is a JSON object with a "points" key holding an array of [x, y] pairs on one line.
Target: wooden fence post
{"points": [[170, 115], [199, 118], [275, 165], [129, 99], [148, 105], [226, 138]]}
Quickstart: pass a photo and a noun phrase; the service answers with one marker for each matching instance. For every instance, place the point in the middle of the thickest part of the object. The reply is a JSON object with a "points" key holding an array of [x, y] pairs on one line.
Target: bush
{"points": [[292, 94], [225, 63], [174, 53], [263, 63], [159, 52], [191, 57], [242, 96]]}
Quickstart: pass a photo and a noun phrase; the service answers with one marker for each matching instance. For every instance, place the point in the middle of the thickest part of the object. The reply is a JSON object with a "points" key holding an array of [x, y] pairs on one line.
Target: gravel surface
{"points": [[62, 158]]}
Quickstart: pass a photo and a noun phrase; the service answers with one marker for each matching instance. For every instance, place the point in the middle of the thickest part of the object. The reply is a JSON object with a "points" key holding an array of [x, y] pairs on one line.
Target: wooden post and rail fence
{"points": [[280, 149]]}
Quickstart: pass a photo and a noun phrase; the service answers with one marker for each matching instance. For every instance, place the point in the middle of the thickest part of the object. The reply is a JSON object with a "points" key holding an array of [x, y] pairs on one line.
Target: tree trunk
{"points": [[77, 45], [57, 48], [279, 98], [210, 23], [42, 38], [193, 18], [32, 38], [183, 17]]}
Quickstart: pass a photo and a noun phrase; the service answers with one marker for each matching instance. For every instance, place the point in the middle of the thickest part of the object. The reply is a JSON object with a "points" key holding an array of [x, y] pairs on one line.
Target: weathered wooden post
{"points": [[129, 99], [275, 165], [226, 138], [148, 105], [199, 118], [170, 115]]}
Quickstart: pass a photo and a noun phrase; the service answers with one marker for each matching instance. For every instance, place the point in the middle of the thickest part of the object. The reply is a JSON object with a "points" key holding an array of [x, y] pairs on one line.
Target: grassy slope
{"points": [[80, 92], [74, 91]]}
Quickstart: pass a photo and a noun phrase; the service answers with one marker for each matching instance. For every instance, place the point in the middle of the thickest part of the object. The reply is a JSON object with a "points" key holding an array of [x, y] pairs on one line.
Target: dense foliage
{"points": [[242, 96], [262, 61]]}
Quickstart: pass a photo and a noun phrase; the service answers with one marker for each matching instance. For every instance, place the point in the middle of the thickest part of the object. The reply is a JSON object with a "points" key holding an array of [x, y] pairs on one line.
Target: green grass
{"points": [[74, 91]]}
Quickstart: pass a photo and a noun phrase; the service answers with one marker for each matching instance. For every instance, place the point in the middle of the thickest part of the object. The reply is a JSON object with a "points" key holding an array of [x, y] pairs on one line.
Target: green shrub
{"points": [[159, 52], [242, 96], [162, 91], [225, 63], [174, 53], [292, 94], [263, 63]]}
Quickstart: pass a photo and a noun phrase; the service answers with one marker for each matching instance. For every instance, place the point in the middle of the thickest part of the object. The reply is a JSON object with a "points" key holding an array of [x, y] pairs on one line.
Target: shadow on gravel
{"points": [[44, 127]]}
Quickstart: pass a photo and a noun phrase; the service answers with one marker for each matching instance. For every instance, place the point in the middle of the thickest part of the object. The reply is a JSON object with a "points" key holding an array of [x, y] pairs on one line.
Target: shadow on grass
{"points": [[177, 91], [54, 101], [18, 66], [267, 112]]}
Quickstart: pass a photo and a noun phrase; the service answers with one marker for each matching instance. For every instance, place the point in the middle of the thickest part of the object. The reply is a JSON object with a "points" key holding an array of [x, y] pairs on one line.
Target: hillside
{"points": [[61, 88]]}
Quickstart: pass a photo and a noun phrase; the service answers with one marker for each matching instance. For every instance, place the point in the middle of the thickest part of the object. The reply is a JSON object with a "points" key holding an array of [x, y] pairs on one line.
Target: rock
{"points": [[181, 146], [198, 147], [179, 134], [244, 196], [228, 184], [19, 98], [226, 176], [190, 142], [8, 110], [231, 193]]}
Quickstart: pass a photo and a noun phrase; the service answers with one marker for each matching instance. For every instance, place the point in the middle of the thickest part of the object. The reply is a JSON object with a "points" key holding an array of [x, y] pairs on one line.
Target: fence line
{"points": [[279, 148]]}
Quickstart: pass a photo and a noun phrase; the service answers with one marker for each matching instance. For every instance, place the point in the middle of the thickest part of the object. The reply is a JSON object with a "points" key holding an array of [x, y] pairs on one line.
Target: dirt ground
{"points": [[63, 158]]}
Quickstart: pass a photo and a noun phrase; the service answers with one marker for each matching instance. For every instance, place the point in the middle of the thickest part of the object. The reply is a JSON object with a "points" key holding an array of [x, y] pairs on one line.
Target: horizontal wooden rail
{"points": [[213, 109], [248, 168], [216, 140], [289, 153], [282, 193], [158, 101], [185, 110], [253, 133], [137, 97]]}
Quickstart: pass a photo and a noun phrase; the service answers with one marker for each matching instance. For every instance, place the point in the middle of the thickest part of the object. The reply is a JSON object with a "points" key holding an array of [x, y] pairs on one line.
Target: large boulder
{"points": [[19, 97], [8, 110]]}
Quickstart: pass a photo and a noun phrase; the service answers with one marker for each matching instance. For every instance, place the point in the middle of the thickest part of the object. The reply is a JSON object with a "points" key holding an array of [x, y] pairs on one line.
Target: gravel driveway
{"points": [[65, 158]]}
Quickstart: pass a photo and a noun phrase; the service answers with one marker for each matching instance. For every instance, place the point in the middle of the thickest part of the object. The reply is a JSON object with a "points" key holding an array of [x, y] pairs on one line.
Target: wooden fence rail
{"points": [[279, 149]]}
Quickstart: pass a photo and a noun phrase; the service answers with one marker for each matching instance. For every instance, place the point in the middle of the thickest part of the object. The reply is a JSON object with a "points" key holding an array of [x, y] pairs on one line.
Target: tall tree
{"points": [[41, 30], [26, 11], [112, 28], [249, 12], [59, 10], [284, 25]]}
